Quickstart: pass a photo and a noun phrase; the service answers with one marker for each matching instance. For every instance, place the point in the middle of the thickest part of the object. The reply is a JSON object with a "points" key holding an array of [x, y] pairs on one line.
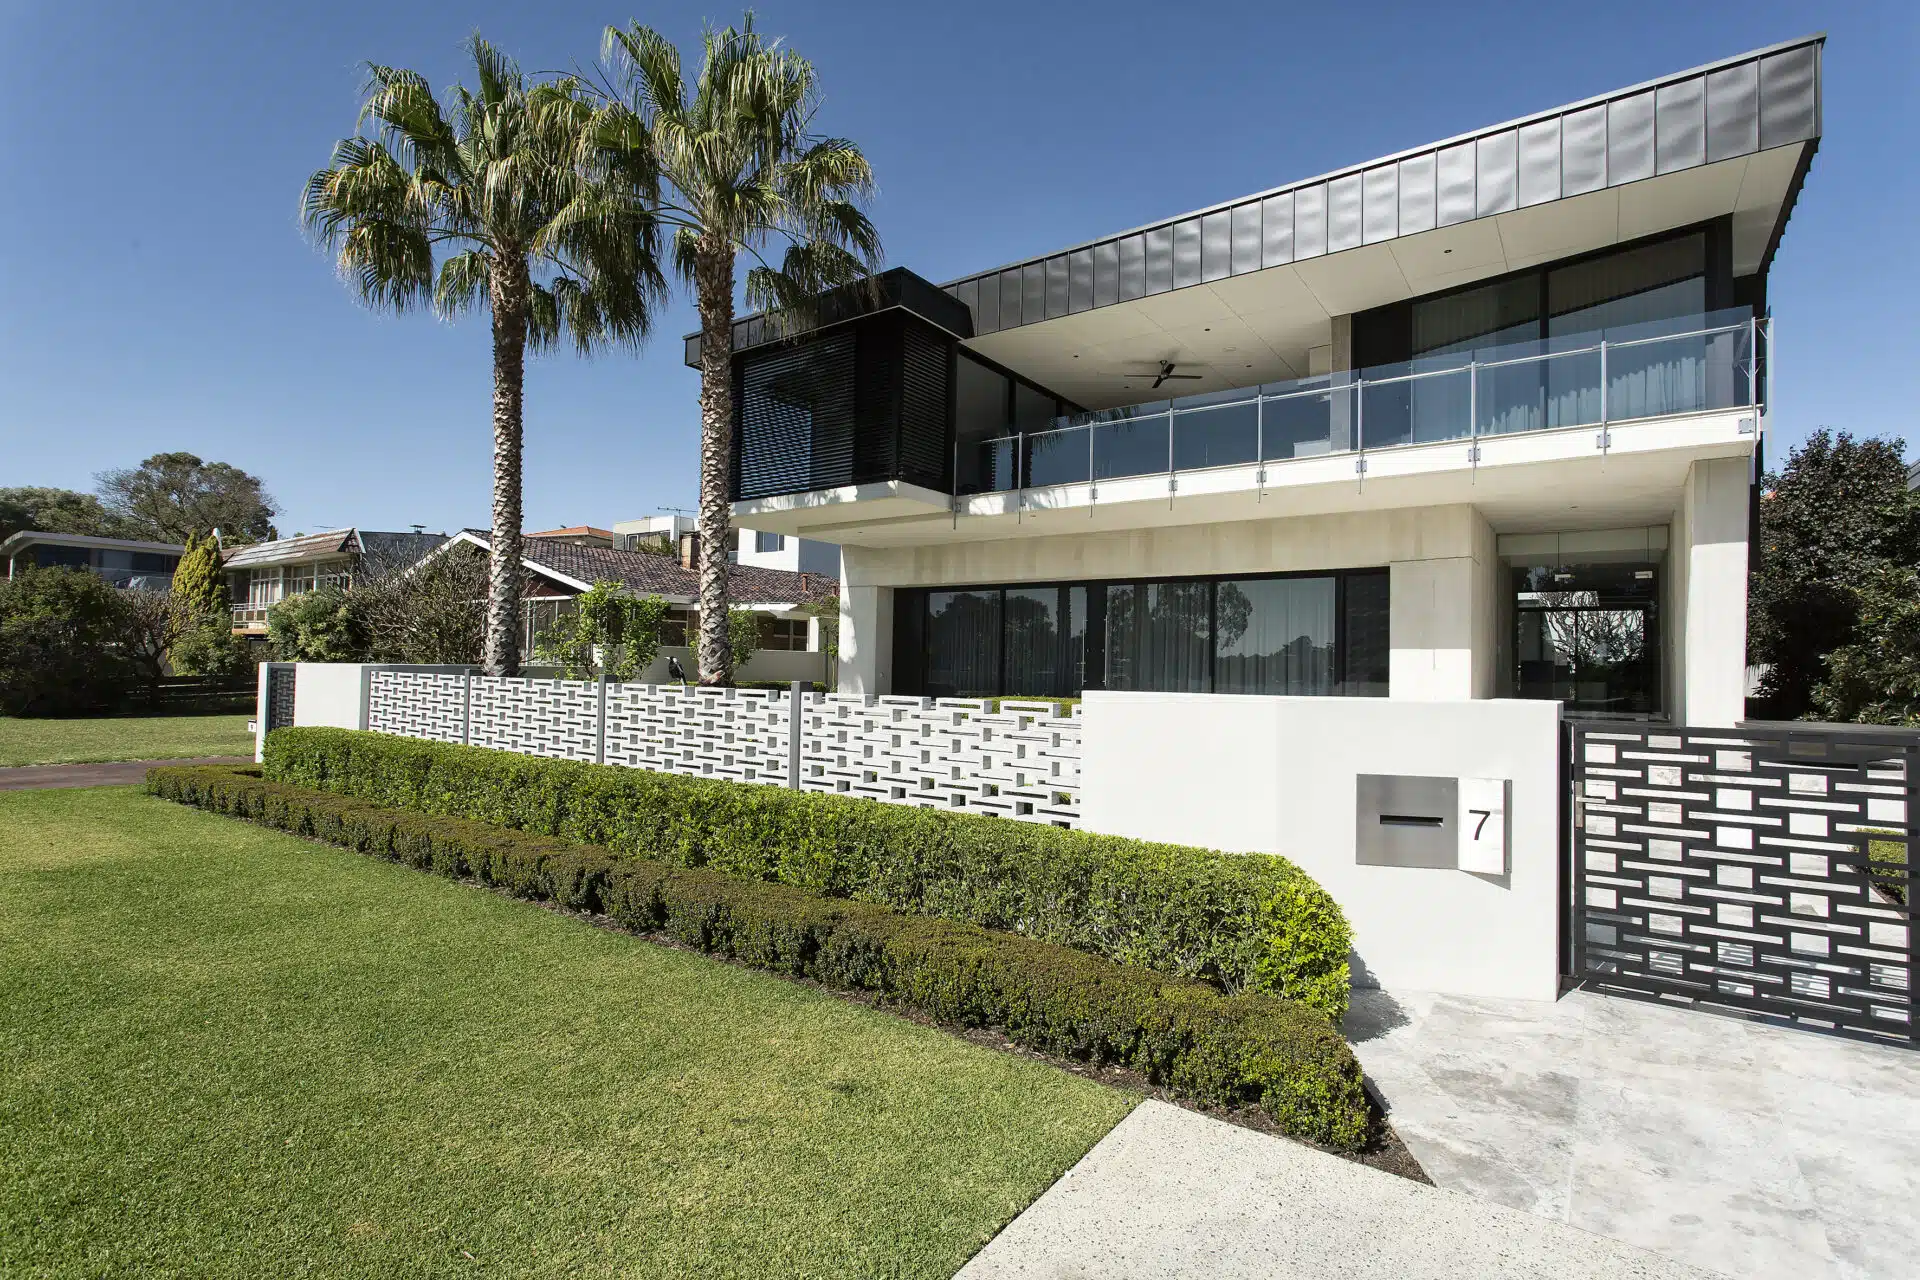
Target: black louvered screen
{"points": [[866, 401], [926, 407], [794, 413]]}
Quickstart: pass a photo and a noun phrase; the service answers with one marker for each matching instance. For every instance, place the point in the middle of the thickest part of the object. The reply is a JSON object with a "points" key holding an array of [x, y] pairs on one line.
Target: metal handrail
{"points": [[1022, 441]]}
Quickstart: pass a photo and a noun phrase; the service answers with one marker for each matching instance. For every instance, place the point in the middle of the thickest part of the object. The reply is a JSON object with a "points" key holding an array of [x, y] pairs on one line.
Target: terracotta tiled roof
{"points": [[663, 576]]}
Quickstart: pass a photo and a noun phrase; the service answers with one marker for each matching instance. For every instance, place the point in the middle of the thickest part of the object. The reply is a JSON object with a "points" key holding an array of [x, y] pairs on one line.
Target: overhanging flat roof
{"points": [[1244, 291]]}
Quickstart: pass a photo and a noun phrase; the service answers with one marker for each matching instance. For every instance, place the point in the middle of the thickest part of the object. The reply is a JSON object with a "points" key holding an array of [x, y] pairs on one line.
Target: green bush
{"points": [[1248, 1050], [67, 644], [323, 625], [1235, 921]]}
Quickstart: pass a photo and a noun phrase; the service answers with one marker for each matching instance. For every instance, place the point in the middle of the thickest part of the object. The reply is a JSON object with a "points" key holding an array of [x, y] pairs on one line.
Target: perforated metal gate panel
{"points": [[1765, 870]]}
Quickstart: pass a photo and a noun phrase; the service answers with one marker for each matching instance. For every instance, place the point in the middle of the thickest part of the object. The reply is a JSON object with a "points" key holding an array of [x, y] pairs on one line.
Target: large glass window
{"points": [[963, 644], [1276, 636], [1316, 635], [1588, 635]]}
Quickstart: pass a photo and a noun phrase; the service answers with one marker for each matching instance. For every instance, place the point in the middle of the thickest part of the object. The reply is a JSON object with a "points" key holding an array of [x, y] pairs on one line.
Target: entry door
{"points": [[1598, 661]]}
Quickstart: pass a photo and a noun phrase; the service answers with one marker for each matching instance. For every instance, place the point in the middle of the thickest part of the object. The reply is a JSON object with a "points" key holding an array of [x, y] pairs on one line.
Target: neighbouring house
{"points": [[262, 574], [580, 535], [124, 562], [759, 547], [1481, 419], [560, 568]]}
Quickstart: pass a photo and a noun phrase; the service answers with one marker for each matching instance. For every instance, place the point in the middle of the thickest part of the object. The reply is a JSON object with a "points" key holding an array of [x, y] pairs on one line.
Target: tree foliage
{"points": [[1836, 515], [609, 632], [199, 585], [172, 496], [427, 611], [58, 511], [739, 170], [323, 625], [1876, 678], [513, 195], [64, 644]]}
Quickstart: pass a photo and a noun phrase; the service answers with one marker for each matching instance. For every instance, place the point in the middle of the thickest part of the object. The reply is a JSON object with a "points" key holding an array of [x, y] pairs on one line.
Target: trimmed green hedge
{"points": [[1240, 922], [1213, 1049]]}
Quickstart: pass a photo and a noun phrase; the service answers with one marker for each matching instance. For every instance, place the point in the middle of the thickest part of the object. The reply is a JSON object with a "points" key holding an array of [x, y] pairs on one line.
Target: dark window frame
{"points": [[912, 628], [1396, 318]]}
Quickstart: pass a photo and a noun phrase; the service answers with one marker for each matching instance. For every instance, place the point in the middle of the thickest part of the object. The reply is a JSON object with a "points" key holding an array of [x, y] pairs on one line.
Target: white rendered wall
{"points": [[866, 638], [1277, 775], [1442, 560], [331, 693], [1714, 521]]}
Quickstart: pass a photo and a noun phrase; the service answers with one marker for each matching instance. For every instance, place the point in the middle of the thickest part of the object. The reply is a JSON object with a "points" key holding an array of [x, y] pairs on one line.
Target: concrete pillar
{"points": [[1443, 615], [866, 639], [1713, 542]]}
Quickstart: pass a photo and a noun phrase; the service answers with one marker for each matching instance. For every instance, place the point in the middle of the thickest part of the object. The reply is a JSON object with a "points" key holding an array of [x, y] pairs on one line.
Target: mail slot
{"points": [[1404, 821]]}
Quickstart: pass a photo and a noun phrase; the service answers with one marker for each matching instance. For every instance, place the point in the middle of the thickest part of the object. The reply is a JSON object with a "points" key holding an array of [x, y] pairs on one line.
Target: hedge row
{"points": [[1239, 922], [1213, 1049]]}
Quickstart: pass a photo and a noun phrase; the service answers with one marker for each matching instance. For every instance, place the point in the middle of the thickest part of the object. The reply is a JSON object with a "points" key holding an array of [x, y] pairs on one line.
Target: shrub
{"points": [[1235, 921], [1212, 1049], [211, 649], [323, 625], [66, 644]]}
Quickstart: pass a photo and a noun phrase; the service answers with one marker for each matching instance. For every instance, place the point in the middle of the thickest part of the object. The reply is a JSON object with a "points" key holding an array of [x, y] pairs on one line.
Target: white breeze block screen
{"points": [[738, 734], [419, 704], [1020, 760]]}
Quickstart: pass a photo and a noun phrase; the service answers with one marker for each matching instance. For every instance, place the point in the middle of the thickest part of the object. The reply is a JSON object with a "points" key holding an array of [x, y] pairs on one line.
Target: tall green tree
{"points": [[57, 511], [199, 585], [1837, 514], [510, 195], [741, 173], [171, 496]]}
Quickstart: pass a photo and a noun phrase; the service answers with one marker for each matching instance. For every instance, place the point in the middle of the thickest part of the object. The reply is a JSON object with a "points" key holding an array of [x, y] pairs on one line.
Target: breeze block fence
{"points": [[1005, 758]]}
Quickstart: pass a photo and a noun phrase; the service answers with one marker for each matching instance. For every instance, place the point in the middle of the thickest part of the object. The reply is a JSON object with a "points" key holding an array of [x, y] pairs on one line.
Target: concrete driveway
{"points": [[1748, 1149]]}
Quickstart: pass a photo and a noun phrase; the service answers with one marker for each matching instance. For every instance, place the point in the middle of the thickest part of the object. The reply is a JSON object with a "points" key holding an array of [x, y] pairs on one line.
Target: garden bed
{"points": [[1247, 1051]]}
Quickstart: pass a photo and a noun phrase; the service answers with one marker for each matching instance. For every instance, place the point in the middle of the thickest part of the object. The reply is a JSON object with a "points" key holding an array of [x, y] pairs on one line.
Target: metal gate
{"points": [[1761, 868]]}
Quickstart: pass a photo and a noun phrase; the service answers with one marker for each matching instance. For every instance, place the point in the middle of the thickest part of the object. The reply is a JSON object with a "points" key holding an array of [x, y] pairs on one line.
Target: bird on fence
{"points": [[675, 671]]}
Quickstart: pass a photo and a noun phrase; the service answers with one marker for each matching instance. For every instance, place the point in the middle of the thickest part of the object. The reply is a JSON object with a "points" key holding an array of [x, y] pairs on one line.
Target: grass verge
{"points": [[95, 741], [229, 1052]]}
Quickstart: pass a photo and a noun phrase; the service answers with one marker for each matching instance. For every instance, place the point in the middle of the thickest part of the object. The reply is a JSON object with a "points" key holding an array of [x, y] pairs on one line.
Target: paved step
{"points": [[1173, 1193]]}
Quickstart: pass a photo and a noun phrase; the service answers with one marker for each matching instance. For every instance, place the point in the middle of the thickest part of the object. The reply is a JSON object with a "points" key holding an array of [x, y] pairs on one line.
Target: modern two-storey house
{"points": [[1480, 419]]}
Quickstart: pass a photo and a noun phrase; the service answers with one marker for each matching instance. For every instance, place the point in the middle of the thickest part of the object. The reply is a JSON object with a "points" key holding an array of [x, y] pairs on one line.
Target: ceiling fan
{"points": [[1166, 373]]}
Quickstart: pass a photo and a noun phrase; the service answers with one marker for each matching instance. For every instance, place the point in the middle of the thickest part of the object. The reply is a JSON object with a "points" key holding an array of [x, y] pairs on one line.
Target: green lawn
{"points": [[122, 738], [227, 1052]]}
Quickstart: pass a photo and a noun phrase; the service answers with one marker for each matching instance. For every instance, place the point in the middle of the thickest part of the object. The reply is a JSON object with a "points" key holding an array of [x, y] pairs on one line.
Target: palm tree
{"points": [[511, 195], [741, 172]]}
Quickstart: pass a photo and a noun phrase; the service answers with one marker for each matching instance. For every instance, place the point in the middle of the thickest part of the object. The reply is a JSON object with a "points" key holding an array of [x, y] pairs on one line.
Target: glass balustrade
{"points": [[1689, 364]]}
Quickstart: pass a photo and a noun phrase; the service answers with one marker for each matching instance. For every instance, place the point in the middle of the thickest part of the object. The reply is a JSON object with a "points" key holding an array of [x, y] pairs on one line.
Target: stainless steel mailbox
{"points": [[1403, 821]]}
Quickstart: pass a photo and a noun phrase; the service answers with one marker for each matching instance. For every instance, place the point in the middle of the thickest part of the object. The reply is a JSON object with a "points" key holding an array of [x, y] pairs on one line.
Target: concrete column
{"points": [[866, 639], [1713, 543], [1442, 619]]}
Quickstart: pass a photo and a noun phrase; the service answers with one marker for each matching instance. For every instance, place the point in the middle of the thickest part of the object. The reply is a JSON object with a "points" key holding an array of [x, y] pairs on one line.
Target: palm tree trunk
{"points": [[509, 291], [713, 281]]}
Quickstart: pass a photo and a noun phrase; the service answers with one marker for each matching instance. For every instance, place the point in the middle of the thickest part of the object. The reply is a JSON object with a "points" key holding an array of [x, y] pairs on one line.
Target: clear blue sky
{"points": [[158, 294]]}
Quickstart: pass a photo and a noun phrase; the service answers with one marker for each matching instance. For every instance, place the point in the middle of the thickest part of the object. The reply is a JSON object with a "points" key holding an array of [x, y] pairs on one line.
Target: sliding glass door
{"points": [[1589, 636], [1301, 634]]}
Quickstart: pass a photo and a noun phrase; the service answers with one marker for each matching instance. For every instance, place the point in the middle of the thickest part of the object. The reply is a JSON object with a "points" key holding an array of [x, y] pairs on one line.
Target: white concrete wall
{"points": [[866, 637], [331, 693], [1713, 527], [784, 665], [1277, 775], [1442, 560]]}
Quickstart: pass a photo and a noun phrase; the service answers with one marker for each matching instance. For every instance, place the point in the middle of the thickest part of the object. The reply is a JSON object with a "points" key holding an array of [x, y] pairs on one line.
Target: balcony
{"points": [[1661, 369]]}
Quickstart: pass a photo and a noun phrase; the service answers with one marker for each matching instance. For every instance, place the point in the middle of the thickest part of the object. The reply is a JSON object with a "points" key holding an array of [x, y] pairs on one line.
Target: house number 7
{"points": [[1481, 825]]}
